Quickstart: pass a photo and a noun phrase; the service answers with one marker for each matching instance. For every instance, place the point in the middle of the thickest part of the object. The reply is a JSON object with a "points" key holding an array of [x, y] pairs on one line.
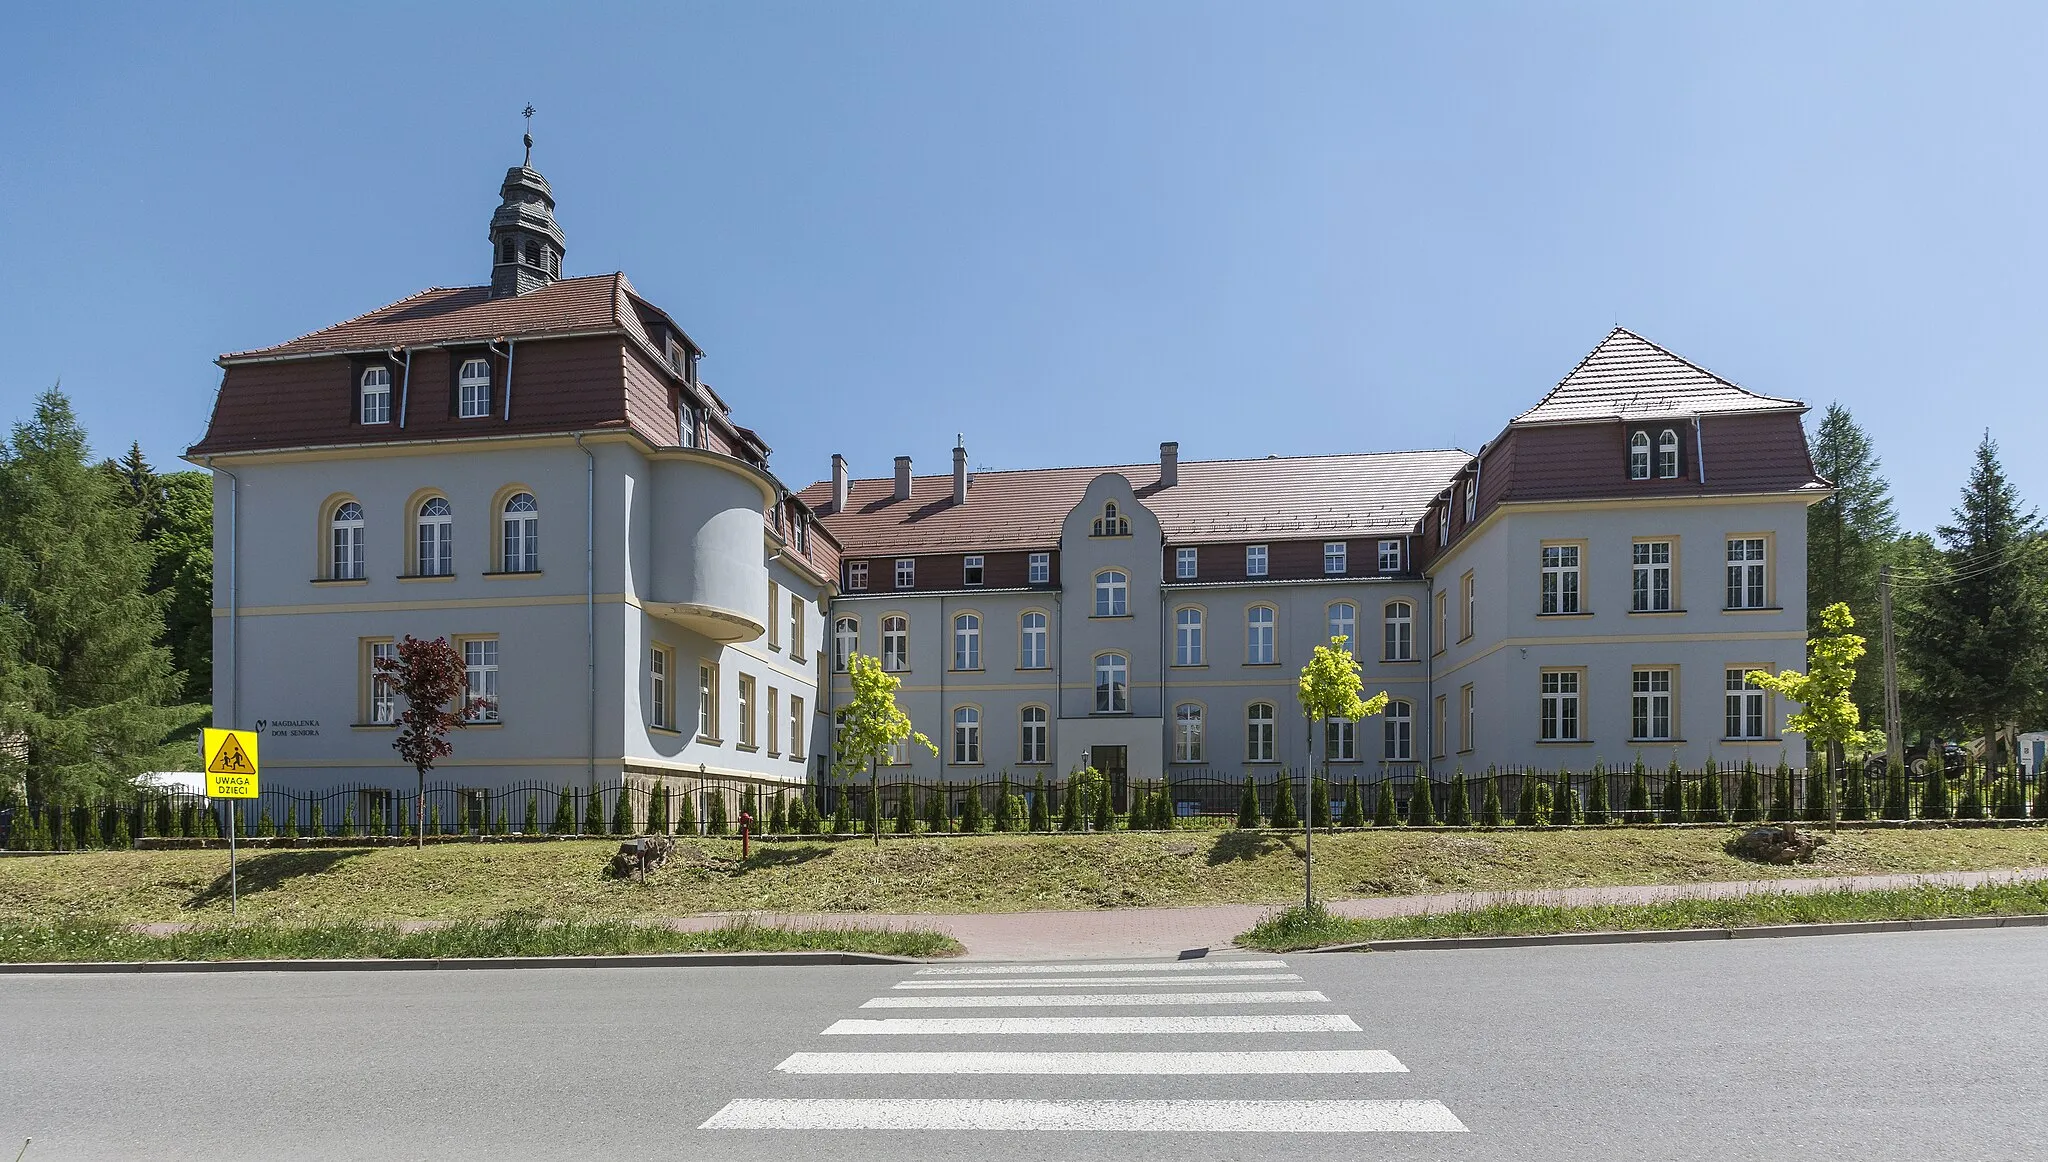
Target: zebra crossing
{"points": [[1312, 1044]]}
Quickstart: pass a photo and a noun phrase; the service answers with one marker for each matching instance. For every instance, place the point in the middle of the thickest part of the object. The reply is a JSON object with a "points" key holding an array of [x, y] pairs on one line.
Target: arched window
{"points": [[1031, 641], [1187, 733], [1400, 643], [1111, 523], [1639, 456], [533, 253], [474, 382], [1399, 726], [522, 534], [1667, 454], [896, 642], [508, 251], [554, 264], [1112, 684], [1344, 624], [1187, 637], [967, 642], [845, 642], [967, 735], [1258, 733], [345, 560], [436, 538], [1258, 635], [376, 396], [1031, 731], [1112, 593]]}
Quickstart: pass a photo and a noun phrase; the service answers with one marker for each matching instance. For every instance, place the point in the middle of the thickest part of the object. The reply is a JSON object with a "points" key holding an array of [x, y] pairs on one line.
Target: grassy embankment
{"points": [[1297, 928]]}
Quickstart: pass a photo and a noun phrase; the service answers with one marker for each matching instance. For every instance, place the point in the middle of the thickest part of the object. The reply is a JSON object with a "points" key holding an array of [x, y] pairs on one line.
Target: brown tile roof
{"points": [[1362, 494], [1628, 377], [599, 302]]}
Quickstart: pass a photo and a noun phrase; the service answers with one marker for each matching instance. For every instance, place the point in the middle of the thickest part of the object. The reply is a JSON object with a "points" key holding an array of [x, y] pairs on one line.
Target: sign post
{"points": [[230, 761]]}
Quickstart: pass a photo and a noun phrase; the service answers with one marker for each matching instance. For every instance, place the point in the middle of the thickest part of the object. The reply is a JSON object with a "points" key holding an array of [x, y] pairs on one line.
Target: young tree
{"points": [[1328, 688], [1490, 813], [1598, 808], [1248, 805], [1041, 807], [1828, 716], [1849, 536], [1459, 812], [1711, 808], [1384, 812], [1354, 806], [428, 674], [871, 726]]}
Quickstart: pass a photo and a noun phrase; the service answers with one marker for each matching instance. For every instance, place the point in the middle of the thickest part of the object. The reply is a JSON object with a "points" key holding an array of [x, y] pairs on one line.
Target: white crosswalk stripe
{"points": [[1336, 1116], [1180, 1064], [1099, 1000], [1097, 967], [920, 1026], [1093, 981]]}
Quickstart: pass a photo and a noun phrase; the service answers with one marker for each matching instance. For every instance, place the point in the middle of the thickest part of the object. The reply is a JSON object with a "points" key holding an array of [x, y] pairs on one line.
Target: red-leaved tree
{"points": [[429, 674]]}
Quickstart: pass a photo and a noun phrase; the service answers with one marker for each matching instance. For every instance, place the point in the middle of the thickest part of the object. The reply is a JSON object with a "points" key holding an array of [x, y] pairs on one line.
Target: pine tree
{"points": [[1003, 821], [1354, 806], [657, 808], [716, 822], [1490, 812], [1599, 810], [593, 812], [1674, 794], [1526, 814], [565, 812], [1248, 805], [1565, 810], [1712, 809], [1284, 815], [1385, 812], [1041, 810], [1422, 802], [1105, 808], [1855, 796], [1848, 536], [1638, 792], [1459, 813]]}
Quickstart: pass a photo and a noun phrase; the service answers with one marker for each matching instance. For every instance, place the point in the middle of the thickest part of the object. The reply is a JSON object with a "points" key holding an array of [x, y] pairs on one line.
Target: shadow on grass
{"points": [[782, 856], [1241, 845], [270, 871]]}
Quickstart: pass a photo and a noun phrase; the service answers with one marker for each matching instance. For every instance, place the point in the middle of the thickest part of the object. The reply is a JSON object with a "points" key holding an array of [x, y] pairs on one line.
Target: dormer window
{"points": [[970, 569], [1111, 523], [475, 383], [1471, 501], [1639, 456], [1667, 455], [376, 396]]}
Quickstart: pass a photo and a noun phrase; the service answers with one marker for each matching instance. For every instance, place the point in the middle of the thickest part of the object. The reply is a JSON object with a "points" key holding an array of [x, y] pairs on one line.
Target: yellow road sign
{"points": [[230, 757]]}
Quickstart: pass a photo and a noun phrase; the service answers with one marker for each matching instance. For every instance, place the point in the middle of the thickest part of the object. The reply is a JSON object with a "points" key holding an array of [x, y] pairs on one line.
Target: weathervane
{"points": [[528, 114]]}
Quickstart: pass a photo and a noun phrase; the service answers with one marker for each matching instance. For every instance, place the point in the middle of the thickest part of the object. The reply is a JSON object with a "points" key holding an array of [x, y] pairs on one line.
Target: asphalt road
{"points": [[1912, 1046]]}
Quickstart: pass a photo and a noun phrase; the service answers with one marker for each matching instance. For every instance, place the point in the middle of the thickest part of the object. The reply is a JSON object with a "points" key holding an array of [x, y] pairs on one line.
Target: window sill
{"points": [[1656, 742], [1262, 762], [796, 758], [1564, 742], [1256, 576], [1189, 666], [1464, 638], [667, 730], [373, 726], [1399, 661], [1034, 669], [492, 725], [748, 747], [504, 573], [1656, 613], [774, 754], [1109, 714], [710, 740], [1566, 616], [1109, 617], [862, 589], [1347, 762], [426, 577], [339, 581], [799, 659], [1262, 665], [967, 670], [1464, 750], [1757, 609], [1752, 742]]}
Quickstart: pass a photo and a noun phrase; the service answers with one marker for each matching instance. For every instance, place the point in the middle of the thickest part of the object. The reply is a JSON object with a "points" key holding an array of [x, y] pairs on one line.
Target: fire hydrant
{"points": [[746, 824]]}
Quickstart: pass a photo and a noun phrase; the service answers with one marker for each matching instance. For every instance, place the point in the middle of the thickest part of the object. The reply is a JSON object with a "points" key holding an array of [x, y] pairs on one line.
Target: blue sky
{"points": [[1069, 231]]}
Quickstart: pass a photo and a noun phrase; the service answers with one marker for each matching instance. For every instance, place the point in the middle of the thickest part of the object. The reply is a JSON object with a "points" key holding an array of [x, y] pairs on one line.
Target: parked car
{"points": [[1954, 759]]}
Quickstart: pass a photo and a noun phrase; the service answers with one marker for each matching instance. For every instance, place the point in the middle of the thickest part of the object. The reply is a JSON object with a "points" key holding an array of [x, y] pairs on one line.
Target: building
{"points": [[534, 469], [1592, 585]]}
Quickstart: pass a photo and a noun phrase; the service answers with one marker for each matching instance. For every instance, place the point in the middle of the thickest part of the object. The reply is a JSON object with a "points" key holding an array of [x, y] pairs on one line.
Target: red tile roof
{"points": [[1363, 494], [1628, 377]]}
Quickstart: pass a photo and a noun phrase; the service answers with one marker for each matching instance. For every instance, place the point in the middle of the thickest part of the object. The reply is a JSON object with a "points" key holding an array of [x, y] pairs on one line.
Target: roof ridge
{"points": [[1184, 463], [1709, 373]]}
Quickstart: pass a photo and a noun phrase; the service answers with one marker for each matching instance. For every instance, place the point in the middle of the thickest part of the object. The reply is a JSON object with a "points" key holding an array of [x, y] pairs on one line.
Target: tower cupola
{"points": [[526, 244]]}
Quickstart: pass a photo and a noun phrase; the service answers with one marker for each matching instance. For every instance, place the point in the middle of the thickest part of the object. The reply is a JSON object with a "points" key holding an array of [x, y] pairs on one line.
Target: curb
{"points": [[662, 960], [1683, 935]]}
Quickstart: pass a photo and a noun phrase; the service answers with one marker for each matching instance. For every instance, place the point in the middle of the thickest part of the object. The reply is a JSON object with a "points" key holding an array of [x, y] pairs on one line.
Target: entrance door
{"points": [[1114, 762]]}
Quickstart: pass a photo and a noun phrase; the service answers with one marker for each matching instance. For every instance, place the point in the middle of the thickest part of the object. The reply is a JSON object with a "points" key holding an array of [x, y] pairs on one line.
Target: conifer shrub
{"points": [[2040, 796], [1248, 805], [2011, 801], [266, 827], [1422, 802], [1544, 805], [593, 812], [971, 818], [1318, 802], [1817, 795], [348, 821], [936, 817], [752, 807], [1162, 808], [1895, 795], [188, 820], [803, 814], [122, 840], [717, 822], [1284, 816], [1003, 821], [1527, 810], [622, 811], [1934, 796], [1139, 816], [565, 812], [1105, 806], [778, 814], [1638, 792], [1041, 810], [315, 825], [906, 812], [657, 808], [1385, 811], [1855, 795], [1749, 795], [1712, 808], [1782, 809], [434, 819], [1011, 812], [1599, 808], [1970, 800], [842, 819], [1565, 810], [1673, 806], [1459, 812], [1354, 806], [501, 820], [1490, 812], [162, 815]]}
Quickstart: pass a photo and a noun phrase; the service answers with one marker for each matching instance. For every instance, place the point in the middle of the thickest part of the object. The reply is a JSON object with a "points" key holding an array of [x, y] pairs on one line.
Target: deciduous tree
{"points": [[428, 674]]}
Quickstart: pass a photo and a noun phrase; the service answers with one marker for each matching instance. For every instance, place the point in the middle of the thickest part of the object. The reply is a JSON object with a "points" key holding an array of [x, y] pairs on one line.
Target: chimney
{"points": [[1169, 463], [960, 469], [841, 489], [902, 478]]}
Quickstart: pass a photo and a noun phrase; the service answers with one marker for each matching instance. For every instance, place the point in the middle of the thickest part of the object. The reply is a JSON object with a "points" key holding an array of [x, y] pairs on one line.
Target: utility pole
{"points": [[1894, 735]]}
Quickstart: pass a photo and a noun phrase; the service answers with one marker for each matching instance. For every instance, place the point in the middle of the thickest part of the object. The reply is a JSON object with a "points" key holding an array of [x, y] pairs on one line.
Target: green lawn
{"points": [[1297, 929], [989, 873]]}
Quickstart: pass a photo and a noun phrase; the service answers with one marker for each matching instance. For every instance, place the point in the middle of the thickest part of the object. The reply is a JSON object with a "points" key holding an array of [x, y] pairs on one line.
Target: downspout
{"points": [[1429, 690], [1699, 447], [1165, 719], [234, 594], [511, 352], [405, 387], [589, 600]]}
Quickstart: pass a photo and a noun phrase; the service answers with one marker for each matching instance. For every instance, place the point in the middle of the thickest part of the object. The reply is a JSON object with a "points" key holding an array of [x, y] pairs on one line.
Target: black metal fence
{"points": [[711, 806]]}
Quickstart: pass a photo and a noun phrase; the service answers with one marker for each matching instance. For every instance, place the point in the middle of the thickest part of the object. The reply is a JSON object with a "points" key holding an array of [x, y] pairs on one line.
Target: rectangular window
{"points": [[906, 572], [1031, 737], [475, 383], [707, 702], [895, 643], [1340, 740], [1184, 564], [1466, 607], [1039, 569], [1650, 706], [774, 616], [1258, 636], [1464, 718], [1390, 556], [661, 712], [1438, 736], [856, 576], [1335, 554], [796, 627], [1746, 715], [480, 674], [1560, 579], [1746, 579], [796, 727], [1187, 637], [1398, 732], [376, 397], [1255, 560], [1187, 733], [747, 728], [1650, 587], [1560, 707], [970, 570], [381, 705], [1443, 622], [1031, 636], [774, 721]]}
